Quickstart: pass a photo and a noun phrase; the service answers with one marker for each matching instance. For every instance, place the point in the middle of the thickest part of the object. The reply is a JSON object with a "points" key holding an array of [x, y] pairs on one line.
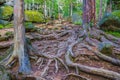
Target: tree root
{"points": [[3, 73], [71, 42], [102, 56], [92, 70], [46, 68], [76, 75], [62, 62]]}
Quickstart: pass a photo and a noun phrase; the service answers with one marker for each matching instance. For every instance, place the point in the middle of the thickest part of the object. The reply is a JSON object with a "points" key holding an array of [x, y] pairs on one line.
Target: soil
{"points": [[50, 47]]}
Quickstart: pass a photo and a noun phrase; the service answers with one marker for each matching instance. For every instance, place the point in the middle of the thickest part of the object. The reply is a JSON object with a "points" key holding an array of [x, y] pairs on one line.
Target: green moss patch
{"points": [[1, 26], [34, 16], [6, 12], [116, 13], [116, 34], [110, 22]]}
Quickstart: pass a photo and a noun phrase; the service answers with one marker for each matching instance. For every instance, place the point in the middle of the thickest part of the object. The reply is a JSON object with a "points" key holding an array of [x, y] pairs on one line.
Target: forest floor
{"points": [[53, 46]]}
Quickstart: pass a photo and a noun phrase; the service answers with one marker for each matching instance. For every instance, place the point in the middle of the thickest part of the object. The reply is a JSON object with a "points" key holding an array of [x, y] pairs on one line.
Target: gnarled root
{"points": [[92, 70], [76, 75], [102, 56]]}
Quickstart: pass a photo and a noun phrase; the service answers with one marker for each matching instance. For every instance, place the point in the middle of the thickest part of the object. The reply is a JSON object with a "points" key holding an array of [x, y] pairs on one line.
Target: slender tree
{"points": [[20, 46], [100, 10]]}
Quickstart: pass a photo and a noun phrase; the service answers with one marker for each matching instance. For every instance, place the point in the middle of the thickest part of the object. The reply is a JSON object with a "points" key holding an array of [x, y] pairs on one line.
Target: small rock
{"points": [[105, 47]]}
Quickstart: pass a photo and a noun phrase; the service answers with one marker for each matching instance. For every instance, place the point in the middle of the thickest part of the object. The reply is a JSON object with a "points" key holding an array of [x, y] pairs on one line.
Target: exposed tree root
{"points": [[102, 56], [3, 73], [76, 75], [46, 68], [92, 70], [73, 39]]}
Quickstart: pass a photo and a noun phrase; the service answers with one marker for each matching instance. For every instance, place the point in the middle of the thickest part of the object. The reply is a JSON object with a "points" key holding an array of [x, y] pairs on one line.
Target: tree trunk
{"points": [[88, 15], [71, 9], [100, 10], [20, 49], [45, 8]]}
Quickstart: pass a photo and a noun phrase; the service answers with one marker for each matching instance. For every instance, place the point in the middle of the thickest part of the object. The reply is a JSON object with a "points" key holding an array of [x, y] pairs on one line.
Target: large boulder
{"points": [[110, 22], [76, 18], [10, 3], [105, 47], [3, 22], [5, 12], [34, 16]]}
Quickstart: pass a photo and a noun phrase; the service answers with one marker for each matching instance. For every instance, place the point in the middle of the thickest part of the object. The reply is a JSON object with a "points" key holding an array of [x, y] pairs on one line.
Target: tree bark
{"points": [[20, 49], [100, 10]]}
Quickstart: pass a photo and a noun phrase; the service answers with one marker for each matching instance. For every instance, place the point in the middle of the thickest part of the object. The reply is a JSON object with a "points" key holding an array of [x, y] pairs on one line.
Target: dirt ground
{"points": [[51, 46]]}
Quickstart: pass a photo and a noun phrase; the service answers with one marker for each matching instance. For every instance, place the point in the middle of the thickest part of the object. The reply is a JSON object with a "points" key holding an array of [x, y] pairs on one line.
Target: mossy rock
{"points": [[9, 34], [6, 12], [110, 22], [34, 16], [30, 27], [4, 38], [3, 22], [105, 48]]}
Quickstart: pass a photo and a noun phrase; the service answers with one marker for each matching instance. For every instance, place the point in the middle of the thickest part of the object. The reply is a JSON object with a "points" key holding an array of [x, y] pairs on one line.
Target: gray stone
{"points": [[105, 47], [76, 18], [3, 22]]}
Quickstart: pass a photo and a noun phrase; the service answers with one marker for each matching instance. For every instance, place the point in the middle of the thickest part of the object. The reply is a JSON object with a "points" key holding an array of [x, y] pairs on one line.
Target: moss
{"points": [[1, 26], [116, 13], [8, 25], [4, 38], [105, 48], [6, 12], [9, 34], [29, 25], [116, 34], [110, 22], [34, 16]]}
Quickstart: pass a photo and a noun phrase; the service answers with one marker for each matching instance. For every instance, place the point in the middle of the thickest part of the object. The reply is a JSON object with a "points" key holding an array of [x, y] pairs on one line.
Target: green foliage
{"points": [[9, 34], [78, 22], [116, 13], [34, 16], [115, 4], [1, 26], [6, 12], [8, 25], [116, 34]]}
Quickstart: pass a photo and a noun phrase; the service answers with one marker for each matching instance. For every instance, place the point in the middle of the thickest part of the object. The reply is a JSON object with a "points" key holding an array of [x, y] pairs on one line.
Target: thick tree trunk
{"points": [[20, 49]]}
